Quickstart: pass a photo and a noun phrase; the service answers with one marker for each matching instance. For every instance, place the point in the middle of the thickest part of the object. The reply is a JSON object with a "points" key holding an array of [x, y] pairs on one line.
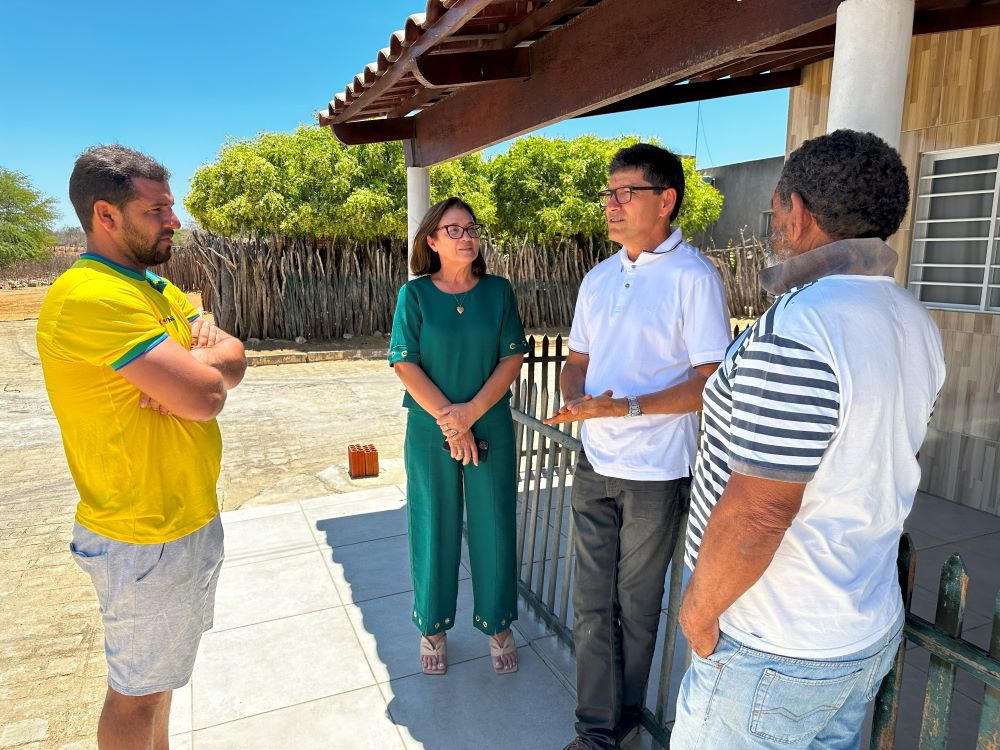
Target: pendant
{"points": [[459, 309]]}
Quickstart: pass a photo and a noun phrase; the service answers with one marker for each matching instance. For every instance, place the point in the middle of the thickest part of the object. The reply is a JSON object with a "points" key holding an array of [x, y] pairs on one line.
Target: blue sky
{"points": [[177, 80]]}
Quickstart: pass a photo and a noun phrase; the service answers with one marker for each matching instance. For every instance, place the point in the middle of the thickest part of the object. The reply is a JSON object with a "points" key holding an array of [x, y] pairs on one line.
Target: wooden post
{"points": [[941, 673], [989, 719]]}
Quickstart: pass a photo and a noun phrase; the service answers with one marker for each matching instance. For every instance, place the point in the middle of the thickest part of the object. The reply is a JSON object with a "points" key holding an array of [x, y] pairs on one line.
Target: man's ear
{"points": [[668, 201], [107, 216], [800, 219]]}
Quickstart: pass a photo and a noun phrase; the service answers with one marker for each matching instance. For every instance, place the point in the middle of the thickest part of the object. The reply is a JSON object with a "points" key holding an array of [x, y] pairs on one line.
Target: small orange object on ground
{"points": [[362, 461]]}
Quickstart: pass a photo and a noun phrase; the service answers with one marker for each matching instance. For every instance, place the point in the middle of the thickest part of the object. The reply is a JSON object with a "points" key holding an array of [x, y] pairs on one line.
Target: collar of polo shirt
{"points": [[657, 253]]}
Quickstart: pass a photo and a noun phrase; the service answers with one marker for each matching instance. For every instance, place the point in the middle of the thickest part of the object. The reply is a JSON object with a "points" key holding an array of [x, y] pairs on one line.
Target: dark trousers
{"points": [[625, 534]]}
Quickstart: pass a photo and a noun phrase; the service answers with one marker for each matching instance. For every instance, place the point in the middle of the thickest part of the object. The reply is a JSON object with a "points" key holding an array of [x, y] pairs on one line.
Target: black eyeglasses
{"points": [[624, 194], [455, 231]]}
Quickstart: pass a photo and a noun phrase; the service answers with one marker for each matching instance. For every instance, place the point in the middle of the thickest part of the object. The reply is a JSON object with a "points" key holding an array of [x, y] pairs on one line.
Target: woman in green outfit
{"points": [[457, 345]]}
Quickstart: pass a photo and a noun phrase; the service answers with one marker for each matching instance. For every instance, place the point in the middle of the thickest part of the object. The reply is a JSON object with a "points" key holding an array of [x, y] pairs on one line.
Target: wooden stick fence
{"points": [[276, 287], [739, 267]]}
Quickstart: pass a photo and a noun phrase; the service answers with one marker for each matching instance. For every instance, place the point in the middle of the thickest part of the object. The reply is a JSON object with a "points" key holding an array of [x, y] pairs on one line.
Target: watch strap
{"points": [[633, 406]]}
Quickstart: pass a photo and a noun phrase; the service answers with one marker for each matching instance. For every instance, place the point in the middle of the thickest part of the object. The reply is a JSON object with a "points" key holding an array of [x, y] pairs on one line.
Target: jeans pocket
{"points": [[792, 710], [882, 663]]}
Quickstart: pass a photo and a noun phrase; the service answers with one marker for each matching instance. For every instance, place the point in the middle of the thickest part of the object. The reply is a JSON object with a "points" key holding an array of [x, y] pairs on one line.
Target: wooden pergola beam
{"points": [[457, 69], [695, 92], [584, 66], [956, 19], [544, 16], [374, 131]]}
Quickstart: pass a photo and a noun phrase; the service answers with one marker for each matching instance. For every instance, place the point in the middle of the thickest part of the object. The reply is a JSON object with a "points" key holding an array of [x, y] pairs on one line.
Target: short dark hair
{"points": [[423, 260], [853, 183], [105, 173], [659, 167]]}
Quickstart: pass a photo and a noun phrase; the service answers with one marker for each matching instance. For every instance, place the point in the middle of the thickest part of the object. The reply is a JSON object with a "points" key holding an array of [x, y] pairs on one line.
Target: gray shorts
{"points": [[156, 600]]}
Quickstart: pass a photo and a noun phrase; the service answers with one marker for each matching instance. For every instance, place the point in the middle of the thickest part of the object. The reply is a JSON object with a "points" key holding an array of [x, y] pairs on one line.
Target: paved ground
{"points": [[312, 645]]}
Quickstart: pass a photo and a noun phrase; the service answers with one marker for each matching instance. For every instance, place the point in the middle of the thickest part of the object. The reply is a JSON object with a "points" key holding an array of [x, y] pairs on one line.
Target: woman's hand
{"points": [[463, 448], [457, 419]]}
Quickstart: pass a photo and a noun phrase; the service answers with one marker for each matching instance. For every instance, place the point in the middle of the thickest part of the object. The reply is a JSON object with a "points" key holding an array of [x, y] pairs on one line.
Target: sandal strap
{"points": [[502, 649], [429, 648]]}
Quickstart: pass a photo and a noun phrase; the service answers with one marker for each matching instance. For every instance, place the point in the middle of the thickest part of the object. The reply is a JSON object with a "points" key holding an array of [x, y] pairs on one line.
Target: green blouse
{"points": [[458, 352]]}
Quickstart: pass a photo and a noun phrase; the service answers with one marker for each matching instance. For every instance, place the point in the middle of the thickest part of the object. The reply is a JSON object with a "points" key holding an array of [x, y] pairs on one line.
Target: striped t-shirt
{"points": [[770, 410], [832, 388]]}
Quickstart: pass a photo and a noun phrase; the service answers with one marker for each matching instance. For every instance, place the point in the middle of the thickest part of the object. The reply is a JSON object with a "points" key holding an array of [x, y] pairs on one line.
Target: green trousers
{"points": [[436, 486]]}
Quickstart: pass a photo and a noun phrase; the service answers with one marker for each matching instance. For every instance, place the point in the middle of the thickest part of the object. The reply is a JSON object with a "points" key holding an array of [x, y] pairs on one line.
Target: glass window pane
{"points": [[958, 229], [949, 295], [955, 252], [965, 164], [948, 274], [960, 184], [961, 207], [967, 251]]}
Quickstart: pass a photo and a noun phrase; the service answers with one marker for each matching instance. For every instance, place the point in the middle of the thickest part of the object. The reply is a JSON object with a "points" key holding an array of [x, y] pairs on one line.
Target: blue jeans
{"points": [[743, 698]]}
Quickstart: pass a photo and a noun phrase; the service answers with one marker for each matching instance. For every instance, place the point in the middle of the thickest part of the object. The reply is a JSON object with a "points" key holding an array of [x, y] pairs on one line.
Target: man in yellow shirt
{"points": [[136, 377]]}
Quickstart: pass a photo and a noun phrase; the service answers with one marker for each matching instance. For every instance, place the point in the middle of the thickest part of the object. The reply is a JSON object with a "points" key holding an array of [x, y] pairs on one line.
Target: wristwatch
{"points": [[633, 406]]}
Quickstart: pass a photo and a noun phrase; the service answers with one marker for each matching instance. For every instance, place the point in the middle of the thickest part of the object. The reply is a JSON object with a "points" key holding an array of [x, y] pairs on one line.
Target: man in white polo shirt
{"points": [[807, 468], [651, 325]]}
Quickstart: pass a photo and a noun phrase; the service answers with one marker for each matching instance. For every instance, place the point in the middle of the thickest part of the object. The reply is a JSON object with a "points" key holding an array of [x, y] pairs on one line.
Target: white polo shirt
{"points": [[645, 326]]}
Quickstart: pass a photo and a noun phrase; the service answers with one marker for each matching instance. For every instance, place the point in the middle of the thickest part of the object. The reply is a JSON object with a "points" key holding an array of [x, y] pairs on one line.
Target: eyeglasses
{"points": [[455, 231], [624, 194]]}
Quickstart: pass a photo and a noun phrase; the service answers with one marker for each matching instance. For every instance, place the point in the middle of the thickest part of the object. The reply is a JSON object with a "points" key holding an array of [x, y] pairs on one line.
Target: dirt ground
{"points": [[24, 304], [21, 304]]}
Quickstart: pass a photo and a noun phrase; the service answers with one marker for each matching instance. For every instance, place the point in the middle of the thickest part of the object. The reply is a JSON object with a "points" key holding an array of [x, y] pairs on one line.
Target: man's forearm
{"points": [[226, 356], [572, 381], [682, 398], [743, 533]]}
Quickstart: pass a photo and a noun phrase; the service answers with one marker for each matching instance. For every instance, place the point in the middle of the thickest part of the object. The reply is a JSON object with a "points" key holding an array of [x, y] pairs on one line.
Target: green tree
{"points": [[547, 188], [26, 218], [468, 178], [702, 202], [285, 183], [306, 184]]}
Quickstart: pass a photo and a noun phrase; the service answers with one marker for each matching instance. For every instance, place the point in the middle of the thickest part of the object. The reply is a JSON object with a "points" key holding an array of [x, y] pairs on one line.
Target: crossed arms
{"points": [[191, 384]]}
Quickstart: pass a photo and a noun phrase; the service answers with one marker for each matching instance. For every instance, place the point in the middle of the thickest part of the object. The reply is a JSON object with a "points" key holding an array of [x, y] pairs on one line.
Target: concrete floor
{"points": [[313, 646]]}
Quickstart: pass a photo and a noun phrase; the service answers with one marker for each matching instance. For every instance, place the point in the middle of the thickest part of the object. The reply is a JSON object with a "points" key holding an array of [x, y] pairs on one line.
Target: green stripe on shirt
{"points": [[137, 351]]}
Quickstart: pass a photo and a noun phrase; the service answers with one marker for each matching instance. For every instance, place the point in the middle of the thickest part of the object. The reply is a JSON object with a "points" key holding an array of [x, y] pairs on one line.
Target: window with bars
{"points": [[955, 258]]}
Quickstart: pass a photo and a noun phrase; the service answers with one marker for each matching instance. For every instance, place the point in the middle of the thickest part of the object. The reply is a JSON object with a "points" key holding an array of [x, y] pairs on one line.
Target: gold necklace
{"points": [[460, 302]]}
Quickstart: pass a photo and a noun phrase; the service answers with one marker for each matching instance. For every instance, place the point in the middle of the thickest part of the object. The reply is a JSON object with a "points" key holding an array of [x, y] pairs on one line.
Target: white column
{"points": [[871, 56], [418, 200]]}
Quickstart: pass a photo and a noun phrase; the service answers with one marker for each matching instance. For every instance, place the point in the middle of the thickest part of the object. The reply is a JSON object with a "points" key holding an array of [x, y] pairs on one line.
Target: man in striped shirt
{"points": [[807, 468]]}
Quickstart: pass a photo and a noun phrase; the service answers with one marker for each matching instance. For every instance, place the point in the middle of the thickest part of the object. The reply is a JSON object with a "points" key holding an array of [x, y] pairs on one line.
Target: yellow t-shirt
{"points": [[143, 478]]}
